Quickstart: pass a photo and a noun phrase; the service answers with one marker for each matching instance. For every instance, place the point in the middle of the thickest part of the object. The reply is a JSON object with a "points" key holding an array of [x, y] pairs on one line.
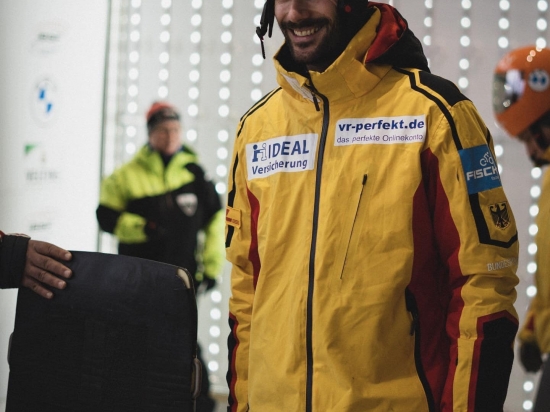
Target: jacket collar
{"points": [[152, 160], [384, 41]]}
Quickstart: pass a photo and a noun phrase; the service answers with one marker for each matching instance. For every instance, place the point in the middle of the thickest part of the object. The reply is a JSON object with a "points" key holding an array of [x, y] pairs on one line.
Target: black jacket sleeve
{"points": [[13, 252]]}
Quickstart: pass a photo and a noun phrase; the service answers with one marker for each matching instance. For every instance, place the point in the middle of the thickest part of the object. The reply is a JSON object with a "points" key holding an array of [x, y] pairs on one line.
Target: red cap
{"points": [[160, 112], [157, 107]]}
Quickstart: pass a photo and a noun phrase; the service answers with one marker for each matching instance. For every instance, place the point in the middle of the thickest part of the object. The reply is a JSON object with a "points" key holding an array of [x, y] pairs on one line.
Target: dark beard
{"points": [[328, 50]]}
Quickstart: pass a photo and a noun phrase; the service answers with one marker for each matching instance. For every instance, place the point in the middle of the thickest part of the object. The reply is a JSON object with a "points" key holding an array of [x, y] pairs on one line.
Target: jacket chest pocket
{"points": [[375, 242]]}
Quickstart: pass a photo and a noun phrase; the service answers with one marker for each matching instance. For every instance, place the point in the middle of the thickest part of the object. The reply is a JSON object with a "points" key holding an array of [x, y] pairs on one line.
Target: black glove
{"points": [[205, 284], [530, 356], [209, 282]]}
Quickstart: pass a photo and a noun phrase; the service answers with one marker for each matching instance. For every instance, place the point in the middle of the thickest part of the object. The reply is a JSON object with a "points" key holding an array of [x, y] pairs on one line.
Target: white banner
{"points": [[51, 104]]}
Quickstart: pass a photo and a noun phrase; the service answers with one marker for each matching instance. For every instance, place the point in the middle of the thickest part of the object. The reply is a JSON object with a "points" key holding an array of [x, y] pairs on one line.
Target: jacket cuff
{"points": [[13, 255]]}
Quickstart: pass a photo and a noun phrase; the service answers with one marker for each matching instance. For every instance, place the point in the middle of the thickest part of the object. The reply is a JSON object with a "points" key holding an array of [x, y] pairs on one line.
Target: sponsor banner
{"points": [[51, 100], [281, 154], [480, 169], [380, 130]]}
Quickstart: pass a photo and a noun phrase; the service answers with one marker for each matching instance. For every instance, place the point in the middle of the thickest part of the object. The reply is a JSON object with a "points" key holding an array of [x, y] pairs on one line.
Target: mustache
{"points": [[289, 25]]}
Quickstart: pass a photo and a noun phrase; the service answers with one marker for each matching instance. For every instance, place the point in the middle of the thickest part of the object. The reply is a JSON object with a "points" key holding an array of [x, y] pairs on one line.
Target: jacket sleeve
{"points": [[112, 215], [477, 241], [240, 249], [527, 332], [536, 326], [13, 254], [214, 250]]}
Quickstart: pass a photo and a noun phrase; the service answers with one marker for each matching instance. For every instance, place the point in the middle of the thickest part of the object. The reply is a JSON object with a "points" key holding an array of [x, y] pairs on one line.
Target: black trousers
{"points": [[542, 402]]}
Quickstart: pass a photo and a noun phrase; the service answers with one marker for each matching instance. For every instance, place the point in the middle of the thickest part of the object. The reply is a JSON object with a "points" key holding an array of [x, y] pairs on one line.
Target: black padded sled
{"points": [[121, 337]]}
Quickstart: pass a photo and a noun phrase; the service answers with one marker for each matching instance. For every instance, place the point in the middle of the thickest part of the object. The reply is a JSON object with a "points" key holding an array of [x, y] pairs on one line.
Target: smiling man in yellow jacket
{"points": [[373, 249]]}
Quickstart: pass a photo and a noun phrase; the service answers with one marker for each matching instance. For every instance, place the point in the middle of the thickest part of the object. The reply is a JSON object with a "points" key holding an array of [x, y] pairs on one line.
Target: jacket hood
{"points": [[394, 43]]}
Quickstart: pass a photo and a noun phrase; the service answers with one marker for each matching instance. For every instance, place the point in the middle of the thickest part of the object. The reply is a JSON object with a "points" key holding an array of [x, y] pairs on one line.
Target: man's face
{"points": [[165, 137], [537, 141], [311, 30]]}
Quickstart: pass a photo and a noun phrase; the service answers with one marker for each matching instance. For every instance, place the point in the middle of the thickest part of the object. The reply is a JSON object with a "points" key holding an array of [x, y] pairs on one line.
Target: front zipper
{"points": [[315, 225], [363, 184]]}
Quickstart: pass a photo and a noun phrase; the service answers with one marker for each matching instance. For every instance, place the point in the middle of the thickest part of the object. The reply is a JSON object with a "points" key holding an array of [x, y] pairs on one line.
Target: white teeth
{"points": [[308, 32]]}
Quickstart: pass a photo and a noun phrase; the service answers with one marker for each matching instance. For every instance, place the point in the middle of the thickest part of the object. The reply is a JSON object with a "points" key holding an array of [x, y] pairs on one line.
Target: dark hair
{"points": [[161, 115]]}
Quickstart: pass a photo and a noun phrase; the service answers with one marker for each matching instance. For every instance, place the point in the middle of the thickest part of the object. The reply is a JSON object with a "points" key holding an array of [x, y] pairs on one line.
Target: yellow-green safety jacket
{"points": [[536, 327], [178, 200], [373, 249]]}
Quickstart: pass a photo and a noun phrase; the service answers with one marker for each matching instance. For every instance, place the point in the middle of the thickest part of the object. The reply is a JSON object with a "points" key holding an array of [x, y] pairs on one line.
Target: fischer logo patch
{"points": [[380, 130], [480, 169], [281, 154]]}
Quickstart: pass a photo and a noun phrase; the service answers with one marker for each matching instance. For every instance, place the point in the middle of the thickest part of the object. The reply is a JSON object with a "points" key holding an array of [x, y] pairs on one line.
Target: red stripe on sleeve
{"points": [[253, 255], [437, 280]]}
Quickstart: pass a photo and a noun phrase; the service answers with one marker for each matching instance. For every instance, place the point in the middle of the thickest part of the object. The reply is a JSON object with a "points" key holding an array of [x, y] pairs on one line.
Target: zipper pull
{"points": [[315, 102]]}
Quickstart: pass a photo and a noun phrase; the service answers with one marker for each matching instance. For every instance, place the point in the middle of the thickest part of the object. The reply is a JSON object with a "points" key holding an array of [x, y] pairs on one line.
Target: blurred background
{"points": [[77, 76]]}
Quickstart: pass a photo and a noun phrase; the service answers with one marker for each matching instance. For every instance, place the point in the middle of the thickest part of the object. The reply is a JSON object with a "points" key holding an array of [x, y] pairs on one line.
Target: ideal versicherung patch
{"points": [[281, 154]]}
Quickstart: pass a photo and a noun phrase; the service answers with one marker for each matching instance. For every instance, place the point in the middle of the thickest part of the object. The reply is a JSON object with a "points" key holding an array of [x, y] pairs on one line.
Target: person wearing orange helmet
{"points": [[521, 103], [521, 99]]}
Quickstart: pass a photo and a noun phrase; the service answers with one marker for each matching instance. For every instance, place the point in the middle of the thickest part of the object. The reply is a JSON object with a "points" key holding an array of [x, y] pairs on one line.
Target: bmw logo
{"points": [[44, 100]]}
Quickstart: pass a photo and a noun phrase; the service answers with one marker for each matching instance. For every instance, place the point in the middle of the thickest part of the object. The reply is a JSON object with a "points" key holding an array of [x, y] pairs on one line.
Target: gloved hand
{"points": [[530, 356], [209, 282], [205, 284]]}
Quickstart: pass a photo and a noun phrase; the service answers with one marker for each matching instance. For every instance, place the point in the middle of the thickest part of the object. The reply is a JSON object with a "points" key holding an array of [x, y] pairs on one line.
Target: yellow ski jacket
{"points": [[373, 249], [537, 323]]}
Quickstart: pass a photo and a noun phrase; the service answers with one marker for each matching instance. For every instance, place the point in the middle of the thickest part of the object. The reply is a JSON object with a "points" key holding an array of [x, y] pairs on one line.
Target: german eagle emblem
{"points": [[499, 213]]}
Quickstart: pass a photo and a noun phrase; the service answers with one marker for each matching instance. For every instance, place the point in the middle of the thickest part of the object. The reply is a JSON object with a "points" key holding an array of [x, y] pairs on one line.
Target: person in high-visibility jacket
{"points": [[162, 206], [159, 202], [521, 104], [373, 249]]}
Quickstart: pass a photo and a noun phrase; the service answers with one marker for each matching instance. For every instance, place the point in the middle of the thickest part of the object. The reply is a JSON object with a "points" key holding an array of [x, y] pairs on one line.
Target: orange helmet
{"points": [[521, 88]]}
